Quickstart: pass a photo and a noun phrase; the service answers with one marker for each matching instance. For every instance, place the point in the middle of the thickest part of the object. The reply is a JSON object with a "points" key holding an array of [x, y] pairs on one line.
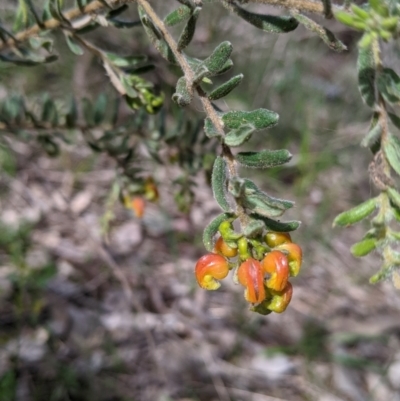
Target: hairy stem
{"points": [[206, 103]]}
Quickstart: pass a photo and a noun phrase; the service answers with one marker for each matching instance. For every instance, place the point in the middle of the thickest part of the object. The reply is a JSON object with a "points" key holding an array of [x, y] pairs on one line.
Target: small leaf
{"points": [[261, 203], [218, 183], [239, 136], [260, 119], [213, 64], [189, 29], [356, 214], [264, 158], [278, 226], [391, 147], [210, 130], [395, 119], [267, 23], [100, 109], [72, 114], [73, 45], [226, 88], [389, 85], [212, 229], [373, 136], [366, 75], [394, 196], [182, 96], [177, 16], [49, 112], [325, 34], [363, 247], [253, 228]]}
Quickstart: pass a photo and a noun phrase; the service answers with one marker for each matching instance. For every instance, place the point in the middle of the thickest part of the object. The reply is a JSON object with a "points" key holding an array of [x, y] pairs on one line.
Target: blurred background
{"points": [[87, 316]]}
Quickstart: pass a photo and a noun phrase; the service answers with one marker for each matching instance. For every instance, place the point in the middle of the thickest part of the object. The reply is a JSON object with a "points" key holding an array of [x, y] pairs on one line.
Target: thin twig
{"points": [[54, 23]]}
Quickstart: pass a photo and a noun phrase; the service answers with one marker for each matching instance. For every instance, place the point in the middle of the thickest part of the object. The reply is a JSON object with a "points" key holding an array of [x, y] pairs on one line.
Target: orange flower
{"points": [[273, 239], [276, 264], [209, 269], [138, 205], [294, 255], [250, 275], [224, 249], [280, 299]]}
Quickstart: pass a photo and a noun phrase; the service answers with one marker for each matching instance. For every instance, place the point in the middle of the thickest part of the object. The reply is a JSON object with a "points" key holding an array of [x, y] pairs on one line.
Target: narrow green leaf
{"points": [[100, 109], [267, 23], [356, 214], [253, 228], [177, 16], [278, 226], [209, 129], [389, 85], [395, 119], [240, 135], [49, 112], [217, 60], [364, 247], [72, 114], [391, 147], [325, 34], [264, 158], [226, 88], [394, 196], [366, 75], [219, 183], [373, 136], [183, 95], [73, 44], [189, 29], [260, 119], [259, 202], [360, 12], [211, 230]]}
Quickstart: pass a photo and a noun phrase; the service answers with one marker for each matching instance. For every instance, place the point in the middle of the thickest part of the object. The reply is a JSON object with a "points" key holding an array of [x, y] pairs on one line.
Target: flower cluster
{"points": [[262, 266]]}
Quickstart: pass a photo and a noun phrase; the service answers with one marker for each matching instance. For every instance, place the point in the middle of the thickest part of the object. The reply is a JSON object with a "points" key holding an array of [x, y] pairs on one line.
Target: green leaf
{"points": [[213, 64], [267, 23], [125, 61], [394, 196], [389, 85], [226, 88], [218, 183], [210, 130], [73, 44], [49, 111], [212, 229], [364, 247], [395, 119], [259, 119], [391, 147], [360, 12], [356, 214], [156, 37], [177, 16], [374, 135], [239, 135], [100, 109], [72, 115], [189, 29], [259, 202], [366, 75], [350, 20], [183, 96], [325, 34], [264, 158], [253, 228], [278, 226]]}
